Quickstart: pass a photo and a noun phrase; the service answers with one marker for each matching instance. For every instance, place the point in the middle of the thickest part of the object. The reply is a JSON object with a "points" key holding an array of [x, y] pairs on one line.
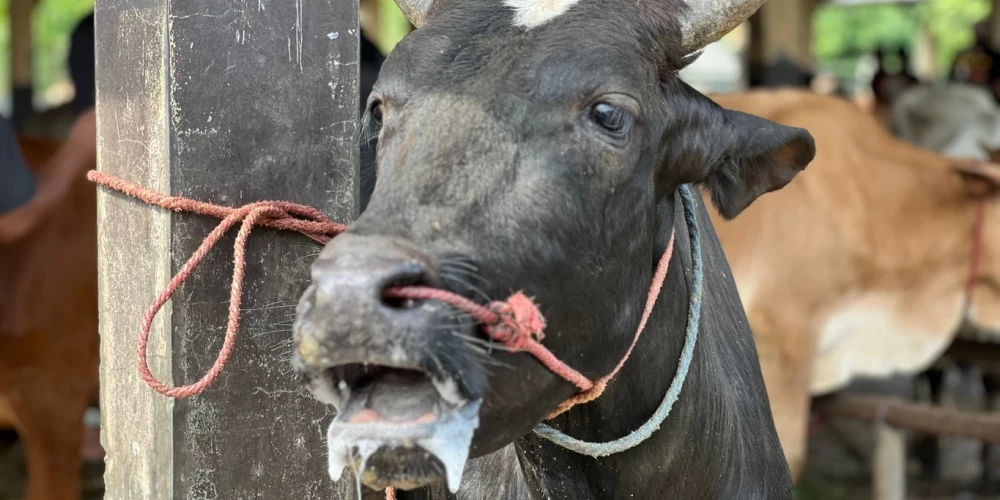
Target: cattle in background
{"points": [[859, 267], [958, 120], [48, 334], [955, 119]]}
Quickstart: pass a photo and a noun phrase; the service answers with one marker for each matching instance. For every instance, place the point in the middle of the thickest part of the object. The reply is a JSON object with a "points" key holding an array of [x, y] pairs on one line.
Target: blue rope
{"points": [[687, 354]]}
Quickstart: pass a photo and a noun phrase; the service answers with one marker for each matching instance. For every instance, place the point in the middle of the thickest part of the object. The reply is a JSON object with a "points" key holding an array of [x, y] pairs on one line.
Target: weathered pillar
{"points": [[228, 102], [20, 60], [781, 43]]}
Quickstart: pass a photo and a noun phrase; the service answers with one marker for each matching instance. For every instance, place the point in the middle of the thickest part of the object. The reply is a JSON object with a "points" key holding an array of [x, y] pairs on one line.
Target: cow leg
{"points": [[785, 361], [50, 425]]}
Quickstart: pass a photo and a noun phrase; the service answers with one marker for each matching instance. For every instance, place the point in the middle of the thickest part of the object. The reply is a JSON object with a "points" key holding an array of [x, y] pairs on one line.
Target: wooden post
{"points": [[889, 463], [787, 31], [229, 103], [20, 61], [781, 35]]}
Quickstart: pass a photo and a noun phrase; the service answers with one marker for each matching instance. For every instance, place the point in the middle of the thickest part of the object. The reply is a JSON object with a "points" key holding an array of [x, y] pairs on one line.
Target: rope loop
{"points": [[519, 322], [275, 214]]}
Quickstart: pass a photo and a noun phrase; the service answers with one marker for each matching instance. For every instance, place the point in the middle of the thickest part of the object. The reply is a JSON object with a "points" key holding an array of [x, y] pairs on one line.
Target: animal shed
{"points": [[227, 102], [193, 96]]}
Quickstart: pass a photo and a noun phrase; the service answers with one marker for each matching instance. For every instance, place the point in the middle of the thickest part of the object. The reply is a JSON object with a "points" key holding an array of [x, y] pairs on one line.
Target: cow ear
{"points": [[758, 156], [980, 179], [415, 10]]}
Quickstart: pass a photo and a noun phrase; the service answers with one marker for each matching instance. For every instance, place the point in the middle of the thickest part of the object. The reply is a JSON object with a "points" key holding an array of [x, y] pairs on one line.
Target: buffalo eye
{"points": [[615, 120], [375, 109]]}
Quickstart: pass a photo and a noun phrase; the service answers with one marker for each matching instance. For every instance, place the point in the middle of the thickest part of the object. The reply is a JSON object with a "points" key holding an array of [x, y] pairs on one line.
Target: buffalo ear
{"points": [[759, 156]]}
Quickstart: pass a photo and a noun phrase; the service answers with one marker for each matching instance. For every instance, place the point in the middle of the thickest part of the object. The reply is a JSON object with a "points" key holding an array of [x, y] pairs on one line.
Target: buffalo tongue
{"points": [[396, 397]]}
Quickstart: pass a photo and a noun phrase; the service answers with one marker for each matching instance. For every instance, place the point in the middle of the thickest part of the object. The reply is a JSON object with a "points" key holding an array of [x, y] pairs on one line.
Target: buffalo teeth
{"points": [[448, 390], [323, 391]]}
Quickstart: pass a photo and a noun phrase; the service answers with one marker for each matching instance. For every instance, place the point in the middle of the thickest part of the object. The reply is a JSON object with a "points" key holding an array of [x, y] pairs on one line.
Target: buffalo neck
{"points": [[719, 440]]}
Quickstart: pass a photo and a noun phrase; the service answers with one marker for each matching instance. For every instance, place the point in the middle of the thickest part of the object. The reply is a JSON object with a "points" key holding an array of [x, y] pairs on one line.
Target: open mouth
{"points": [[397, 427]]}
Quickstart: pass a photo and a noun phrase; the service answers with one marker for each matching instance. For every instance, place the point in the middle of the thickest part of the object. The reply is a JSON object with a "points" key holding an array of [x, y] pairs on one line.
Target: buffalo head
{"points": [[521, 145]]}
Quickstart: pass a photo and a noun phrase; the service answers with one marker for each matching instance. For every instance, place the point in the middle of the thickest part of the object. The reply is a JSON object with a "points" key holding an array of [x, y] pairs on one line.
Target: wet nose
{"points": [[348, 318], [347, 332], [360, 269]]}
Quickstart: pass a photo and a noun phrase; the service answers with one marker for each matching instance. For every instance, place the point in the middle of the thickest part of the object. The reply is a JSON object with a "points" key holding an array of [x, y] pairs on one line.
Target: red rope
{"points": [[659, 277], [276, 214], [977, 251], [516, 323]]}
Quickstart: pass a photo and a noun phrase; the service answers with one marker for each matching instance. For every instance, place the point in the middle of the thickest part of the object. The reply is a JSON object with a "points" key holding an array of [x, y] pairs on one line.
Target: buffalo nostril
{"points": [[398, 302], [412, 276]]}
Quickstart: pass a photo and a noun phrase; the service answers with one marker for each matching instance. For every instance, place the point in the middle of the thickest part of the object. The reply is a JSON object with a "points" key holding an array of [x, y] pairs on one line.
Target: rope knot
{"points": [[518, 322]]}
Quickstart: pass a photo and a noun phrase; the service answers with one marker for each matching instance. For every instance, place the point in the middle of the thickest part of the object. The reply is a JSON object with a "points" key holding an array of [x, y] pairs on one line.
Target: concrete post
{"points": [[228, 102]]}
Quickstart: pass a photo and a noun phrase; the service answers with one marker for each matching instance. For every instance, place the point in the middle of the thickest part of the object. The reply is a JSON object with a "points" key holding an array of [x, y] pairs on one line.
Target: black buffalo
{"points": [[538, 145]]}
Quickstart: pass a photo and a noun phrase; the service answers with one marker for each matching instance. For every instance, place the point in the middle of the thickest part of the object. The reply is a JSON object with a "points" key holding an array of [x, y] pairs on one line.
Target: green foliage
{"points": [[52, 23], [844, 33], [392, 24], [4, 48], [840, 31], [950, 22]]}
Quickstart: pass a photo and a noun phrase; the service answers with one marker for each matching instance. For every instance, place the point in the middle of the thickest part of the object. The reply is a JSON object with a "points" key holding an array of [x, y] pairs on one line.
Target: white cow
{"points": [[956, 120]]}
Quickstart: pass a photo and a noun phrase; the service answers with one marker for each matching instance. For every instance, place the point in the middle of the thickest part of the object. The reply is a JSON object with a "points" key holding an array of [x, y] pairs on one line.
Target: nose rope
{"points": [[516, 323]]}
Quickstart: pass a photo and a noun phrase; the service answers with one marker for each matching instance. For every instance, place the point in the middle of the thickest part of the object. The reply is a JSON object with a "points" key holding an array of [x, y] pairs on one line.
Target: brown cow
{"points": [[48, 333], [859, 266]]}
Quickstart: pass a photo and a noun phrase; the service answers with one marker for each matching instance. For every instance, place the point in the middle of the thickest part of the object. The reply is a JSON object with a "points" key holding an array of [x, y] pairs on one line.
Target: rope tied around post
{"points": [[275, 214], [516, 323]]}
